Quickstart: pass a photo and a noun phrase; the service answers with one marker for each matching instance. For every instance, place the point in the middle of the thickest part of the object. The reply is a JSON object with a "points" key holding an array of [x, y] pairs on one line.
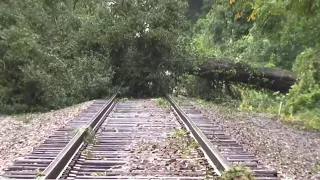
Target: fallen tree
{"points": [[274, 79]]}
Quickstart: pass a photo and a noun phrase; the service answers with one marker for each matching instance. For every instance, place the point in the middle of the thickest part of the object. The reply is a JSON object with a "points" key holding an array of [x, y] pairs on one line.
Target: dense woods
{"points": [[56, 53], [265, 34]]}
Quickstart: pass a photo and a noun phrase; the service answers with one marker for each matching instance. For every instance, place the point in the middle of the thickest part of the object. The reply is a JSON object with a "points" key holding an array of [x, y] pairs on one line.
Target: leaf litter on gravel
{"points": [[293, 152], [19, 134], [167, 154]]}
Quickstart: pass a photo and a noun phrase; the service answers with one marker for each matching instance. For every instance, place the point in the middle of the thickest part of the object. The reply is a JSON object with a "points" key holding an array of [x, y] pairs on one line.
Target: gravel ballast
{"points": [[20, 134], [292, 152], [164, 155]]}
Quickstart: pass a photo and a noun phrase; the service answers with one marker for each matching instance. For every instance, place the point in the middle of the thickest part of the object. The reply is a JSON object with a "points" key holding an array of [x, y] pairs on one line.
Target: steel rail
{"points": [[61, 161], [213, 154]]}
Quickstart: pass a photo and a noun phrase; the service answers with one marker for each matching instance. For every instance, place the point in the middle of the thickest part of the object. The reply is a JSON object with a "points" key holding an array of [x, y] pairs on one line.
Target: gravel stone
{"points": [[290, 151], [149, 157], [20, 134]]}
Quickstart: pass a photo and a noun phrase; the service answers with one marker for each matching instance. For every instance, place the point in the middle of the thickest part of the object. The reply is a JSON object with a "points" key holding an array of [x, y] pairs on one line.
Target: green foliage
{"points": [[179, 141], [194, 86], [88, 154], [26, 118], [267, 34], [46, 60], [237, 172], [261, 101], [89, 135], [303, 100], [178, 133], [54, 54], [304, 97], [148, 45], [257, 31], [217, 32], [162, 102]]}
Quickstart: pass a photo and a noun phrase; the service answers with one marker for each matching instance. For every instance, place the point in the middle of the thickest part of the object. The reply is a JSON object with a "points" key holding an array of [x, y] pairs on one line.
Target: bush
{"points": [[303, 100], [261, 101]]}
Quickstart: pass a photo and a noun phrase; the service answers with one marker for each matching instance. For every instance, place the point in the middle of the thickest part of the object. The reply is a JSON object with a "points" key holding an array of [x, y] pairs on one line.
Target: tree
{"points": [[147, 45], [55, 53], [45, 57], [266, 35]]}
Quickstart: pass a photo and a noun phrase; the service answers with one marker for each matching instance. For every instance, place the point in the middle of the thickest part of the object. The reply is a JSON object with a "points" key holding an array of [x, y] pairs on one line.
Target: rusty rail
{"points": [[217, 159], [61, 161], [221, 149]]}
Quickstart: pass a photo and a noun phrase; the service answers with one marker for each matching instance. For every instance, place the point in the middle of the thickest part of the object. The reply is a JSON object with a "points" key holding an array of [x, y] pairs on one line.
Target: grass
{"points": [[226, 108], [309, 120], [162, 102], [26, 118], [237, 173], [179, 141]]}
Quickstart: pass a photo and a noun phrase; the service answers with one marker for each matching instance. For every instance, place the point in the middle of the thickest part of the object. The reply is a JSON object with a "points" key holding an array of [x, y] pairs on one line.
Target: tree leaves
{"points": [[69, 51], [43, 58], [148, 46]]}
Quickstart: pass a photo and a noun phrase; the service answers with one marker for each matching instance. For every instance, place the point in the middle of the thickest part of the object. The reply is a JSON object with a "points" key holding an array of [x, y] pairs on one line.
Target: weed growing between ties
{"points": [[180, 142], [99, 174], [174, 153], [124, 99], [89, 136], [237, 173], [88, 154], [40, 174]]}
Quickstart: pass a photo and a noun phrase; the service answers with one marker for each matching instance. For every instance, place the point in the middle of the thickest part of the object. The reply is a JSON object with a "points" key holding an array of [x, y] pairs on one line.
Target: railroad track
{"points": [[136, 139]]}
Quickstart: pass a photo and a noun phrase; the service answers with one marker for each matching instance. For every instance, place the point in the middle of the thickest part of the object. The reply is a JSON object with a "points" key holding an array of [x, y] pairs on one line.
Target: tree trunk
{"points": [[274, 79]]}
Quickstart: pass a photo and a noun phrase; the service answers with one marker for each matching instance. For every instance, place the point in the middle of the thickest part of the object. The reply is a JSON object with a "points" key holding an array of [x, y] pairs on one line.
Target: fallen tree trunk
{"points": [[274, 79]]}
